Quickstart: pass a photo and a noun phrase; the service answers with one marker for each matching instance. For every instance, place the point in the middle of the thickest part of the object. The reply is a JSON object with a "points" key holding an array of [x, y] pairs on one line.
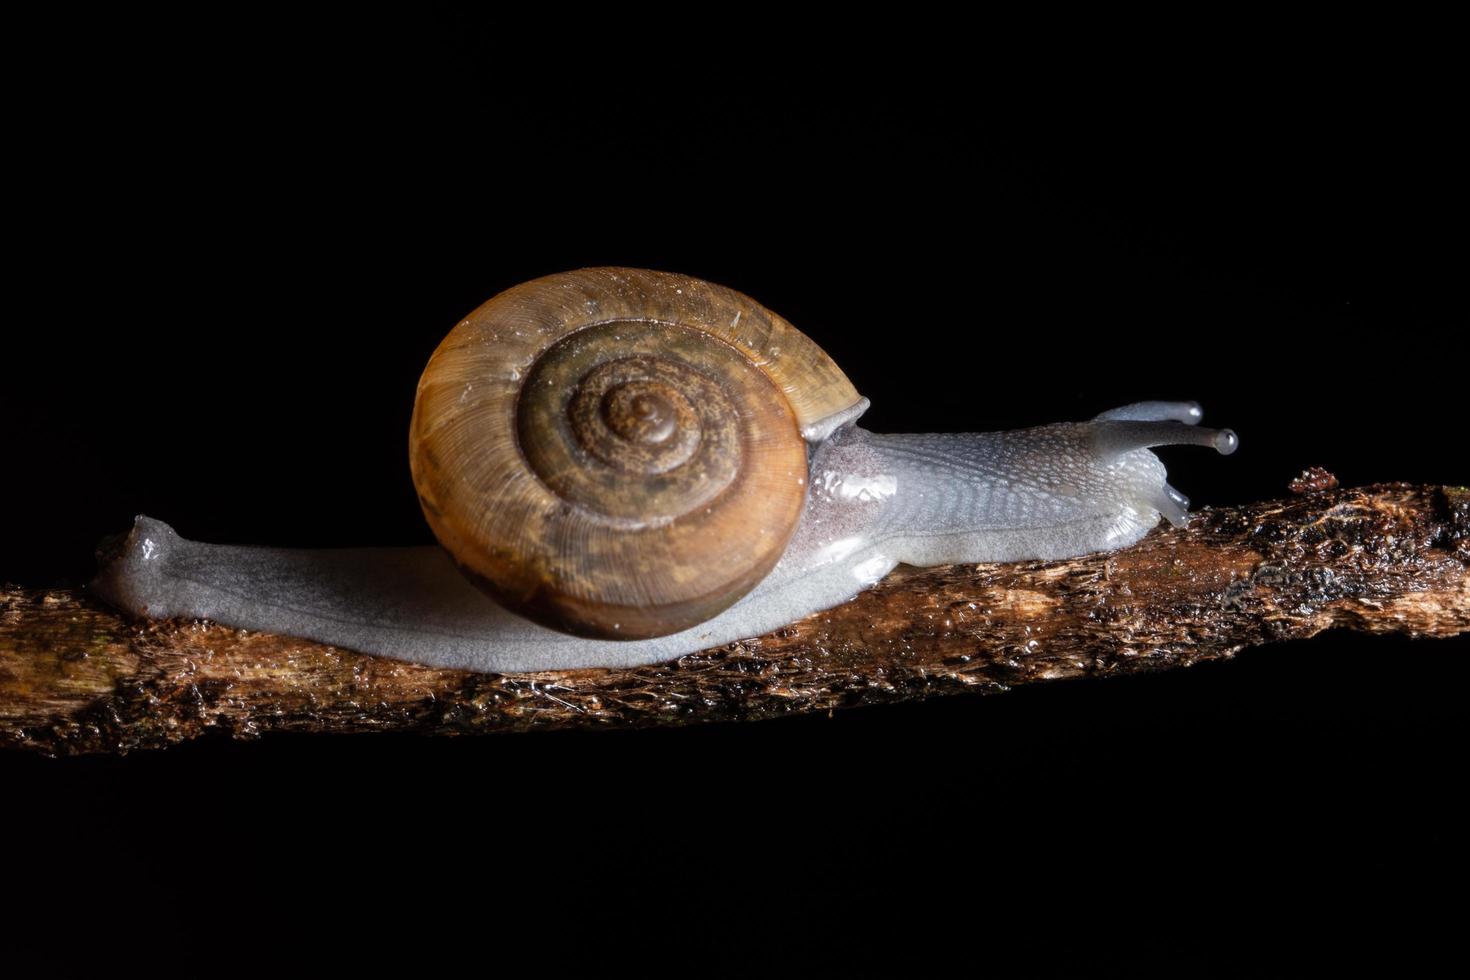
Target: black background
{"points": [[243, 240]]}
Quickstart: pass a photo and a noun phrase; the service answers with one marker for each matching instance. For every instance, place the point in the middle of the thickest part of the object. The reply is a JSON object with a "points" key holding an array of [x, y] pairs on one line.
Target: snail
{"points": [[636, 465]]}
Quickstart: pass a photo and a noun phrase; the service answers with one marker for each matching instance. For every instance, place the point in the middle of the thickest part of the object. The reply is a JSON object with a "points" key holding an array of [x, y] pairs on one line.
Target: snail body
{"points": [[644, 465]]}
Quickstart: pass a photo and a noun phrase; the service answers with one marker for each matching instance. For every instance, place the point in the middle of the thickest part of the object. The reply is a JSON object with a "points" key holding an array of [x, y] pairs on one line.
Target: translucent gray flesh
{"points": [[874, 501]]}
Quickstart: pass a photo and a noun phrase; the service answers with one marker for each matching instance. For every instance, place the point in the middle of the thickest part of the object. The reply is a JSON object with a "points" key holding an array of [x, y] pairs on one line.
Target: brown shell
{"points": [[617, 452]]}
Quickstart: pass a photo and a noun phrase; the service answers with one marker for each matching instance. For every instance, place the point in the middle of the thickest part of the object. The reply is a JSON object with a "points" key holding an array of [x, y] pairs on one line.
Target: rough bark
{"points": [[75, 677]]}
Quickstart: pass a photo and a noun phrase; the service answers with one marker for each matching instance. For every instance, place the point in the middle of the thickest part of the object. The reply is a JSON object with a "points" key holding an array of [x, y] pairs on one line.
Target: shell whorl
{"points": [[619, 452]]}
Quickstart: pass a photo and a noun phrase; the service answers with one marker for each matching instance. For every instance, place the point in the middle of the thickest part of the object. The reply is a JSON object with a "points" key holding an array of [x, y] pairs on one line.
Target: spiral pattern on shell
{"points": [[619, 452]]}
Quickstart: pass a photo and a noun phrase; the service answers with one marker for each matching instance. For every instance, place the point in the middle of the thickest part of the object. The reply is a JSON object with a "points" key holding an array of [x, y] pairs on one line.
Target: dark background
{"points": [[241, 242]]}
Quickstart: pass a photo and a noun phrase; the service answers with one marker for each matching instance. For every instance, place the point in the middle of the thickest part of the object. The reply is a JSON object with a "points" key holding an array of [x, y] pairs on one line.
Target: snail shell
{"points": [[620, 453]]}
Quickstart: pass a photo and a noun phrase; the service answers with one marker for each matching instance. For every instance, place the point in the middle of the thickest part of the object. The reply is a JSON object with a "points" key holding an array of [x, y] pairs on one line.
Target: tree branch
{"points": [[76, 677]]}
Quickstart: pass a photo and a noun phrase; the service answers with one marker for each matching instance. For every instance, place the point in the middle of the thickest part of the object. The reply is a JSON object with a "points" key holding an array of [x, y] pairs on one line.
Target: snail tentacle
{"points": [[1188, 412]]}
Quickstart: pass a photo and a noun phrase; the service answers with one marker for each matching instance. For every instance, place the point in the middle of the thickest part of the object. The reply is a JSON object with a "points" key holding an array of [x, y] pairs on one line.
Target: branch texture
{"points": [[76, 677]]}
